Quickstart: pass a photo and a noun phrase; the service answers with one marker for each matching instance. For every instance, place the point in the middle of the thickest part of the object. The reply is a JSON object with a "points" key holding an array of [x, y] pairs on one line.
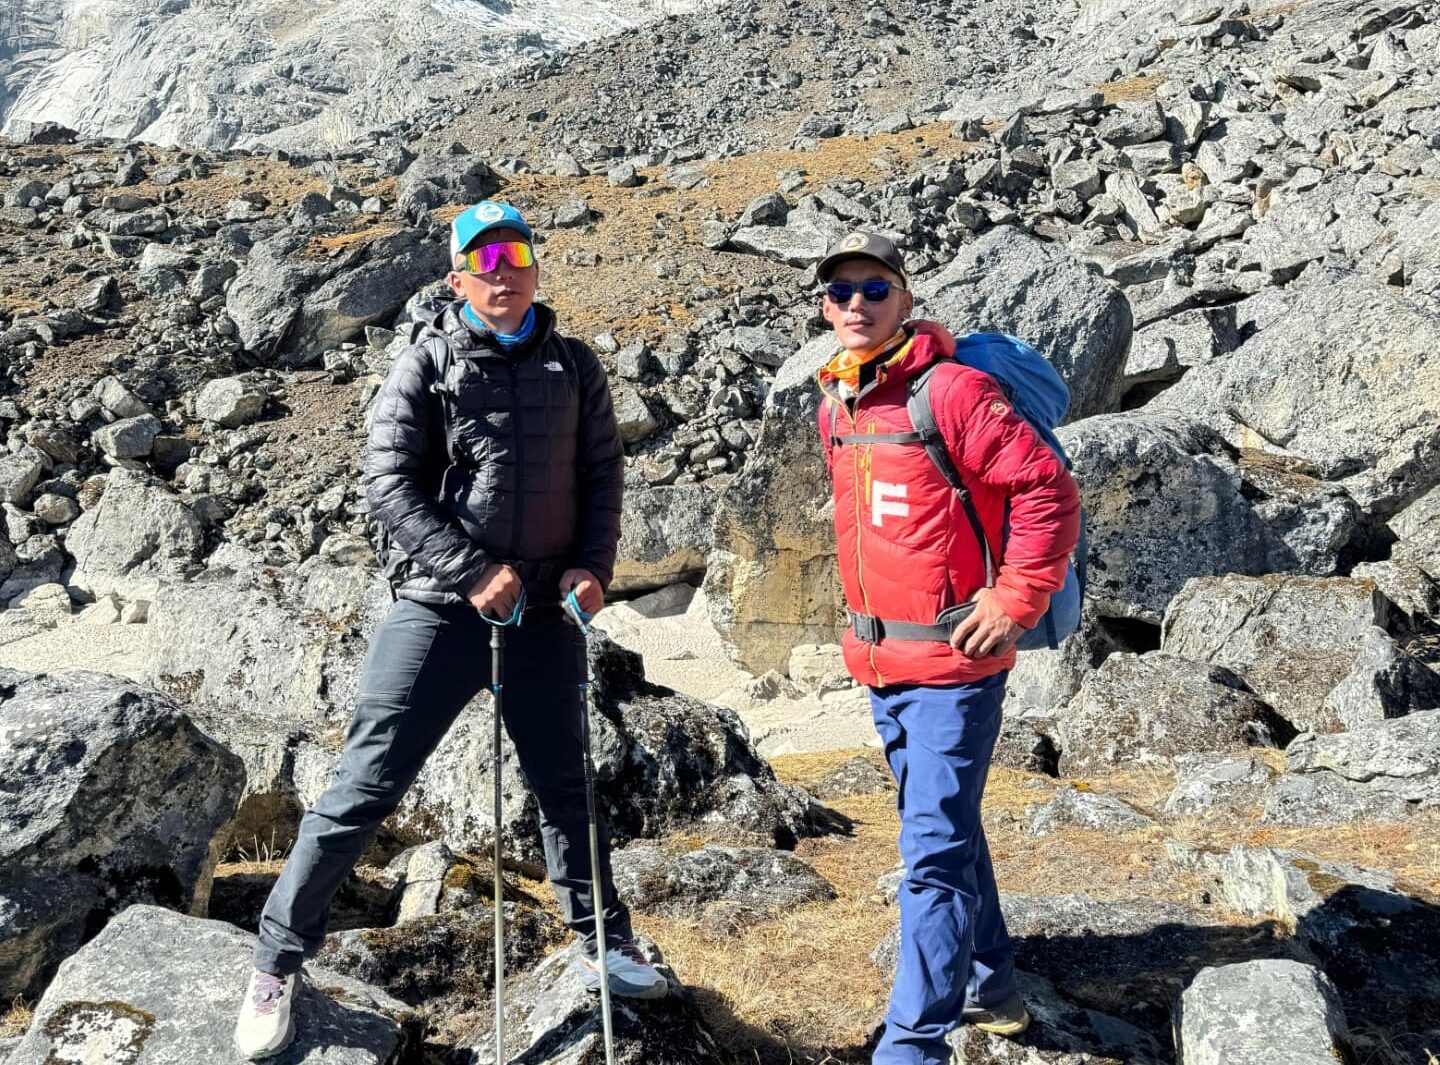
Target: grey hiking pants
{"points": [[424, 664]]}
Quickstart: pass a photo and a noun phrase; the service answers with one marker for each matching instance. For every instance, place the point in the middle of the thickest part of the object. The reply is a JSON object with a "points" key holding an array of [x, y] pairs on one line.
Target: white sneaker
{"points": [[266, 1024], [631, 976]]}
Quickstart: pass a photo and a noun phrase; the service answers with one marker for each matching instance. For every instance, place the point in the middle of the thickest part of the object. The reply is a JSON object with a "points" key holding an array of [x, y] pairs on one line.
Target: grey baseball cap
{"points": [[860, 245]]}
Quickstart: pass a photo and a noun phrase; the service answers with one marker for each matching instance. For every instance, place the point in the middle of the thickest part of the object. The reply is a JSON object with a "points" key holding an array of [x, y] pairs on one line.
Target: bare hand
{"points": [[495, 593], [987, 630], [587, 589]]}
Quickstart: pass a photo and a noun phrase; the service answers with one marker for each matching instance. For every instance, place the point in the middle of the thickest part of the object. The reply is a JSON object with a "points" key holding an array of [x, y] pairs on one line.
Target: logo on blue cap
{"points": [[488, 214]]}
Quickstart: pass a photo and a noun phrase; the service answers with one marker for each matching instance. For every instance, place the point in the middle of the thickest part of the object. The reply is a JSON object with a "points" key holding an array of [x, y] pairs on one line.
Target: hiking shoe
{"points": [[266, 1024], [1009, 1018], [631, 976]]}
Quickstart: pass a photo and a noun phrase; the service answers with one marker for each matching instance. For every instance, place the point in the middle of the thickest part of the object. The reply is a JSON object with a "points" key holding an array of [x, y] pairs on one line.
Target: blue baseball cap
{"points": [[485, 215]]}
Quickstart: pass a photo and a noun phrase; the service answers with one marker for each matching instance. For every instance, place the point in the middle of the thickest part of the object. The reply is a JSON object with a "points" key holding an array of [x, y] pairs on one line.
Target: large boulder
{"points": [[1152, 707], [138, 534], [158, 988], [1418, 529], [664, 763], [1242, 1014], [665, 535], [1349, 380], [1376, 936], [289, 303], [801, 241], [1398, 759], [772, 582], [1062, 1032], [551, 1017], [724, 888], [1011, 282], [1316, 649], [1164, 502], [110, 796]]}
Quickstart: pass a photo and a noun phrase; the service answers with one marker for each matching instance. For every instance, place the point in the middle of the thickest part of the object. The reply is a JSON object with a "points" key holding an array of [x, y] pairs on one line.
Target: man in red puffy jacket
{"points": [[932, 641]]}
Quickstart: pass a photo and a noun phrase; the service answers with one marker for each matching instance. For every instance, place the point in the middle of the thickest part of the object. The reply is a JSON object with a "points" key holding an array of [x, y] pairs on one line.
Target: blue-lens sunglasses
{"points": [[877, 291]]}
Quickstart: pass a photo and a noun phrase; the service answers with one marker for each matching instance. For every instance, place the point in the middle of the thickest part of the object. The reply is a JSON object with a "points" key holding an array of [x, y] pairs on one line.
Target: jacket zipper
{"points": [[859, 528], [519, 437]]}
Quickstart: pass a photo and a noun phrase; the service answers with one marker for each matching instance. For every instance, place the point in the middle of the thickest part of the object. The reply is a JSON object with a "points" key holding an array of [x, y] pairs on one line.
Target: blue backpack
{"points": [[1039, 395]]}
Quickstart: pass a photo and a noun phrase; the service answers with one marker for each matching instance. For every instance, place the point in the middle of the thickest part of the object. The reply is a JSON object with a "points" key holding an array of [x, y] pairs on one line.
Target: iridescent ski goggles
{"points": [[484, 259]]}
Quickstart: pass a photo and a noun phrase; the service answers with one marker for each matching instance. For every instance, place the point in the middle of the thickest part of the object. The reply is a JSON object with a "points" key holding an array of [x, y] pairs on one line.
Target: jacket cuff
{"points": [[466, 579], [1023, 606]]}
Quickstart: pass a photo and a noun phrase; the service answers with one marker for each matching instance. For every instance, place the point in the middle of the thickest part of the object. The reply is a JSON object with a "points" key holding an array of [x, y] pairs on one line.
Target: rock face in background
{"points": [[139, 533], [772, 581], [158, 987], [1316, 650], [1010, 282], [1372, 427], [111, 796], [665, 536], [199, 78], [1152, 707], [1164, 502]]}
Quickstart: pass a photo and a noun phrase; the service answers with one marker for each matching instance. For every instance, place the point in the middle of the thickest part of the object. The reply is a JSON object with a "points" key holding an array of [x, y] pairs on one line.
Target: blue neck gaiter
{"points": [[506, 340]]}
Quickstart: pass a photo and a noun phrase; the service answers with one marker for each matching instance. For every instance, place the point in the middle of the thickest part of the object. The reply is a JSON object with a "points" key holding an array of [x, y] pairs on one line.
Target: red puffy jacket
{"points": [[905, 549]]}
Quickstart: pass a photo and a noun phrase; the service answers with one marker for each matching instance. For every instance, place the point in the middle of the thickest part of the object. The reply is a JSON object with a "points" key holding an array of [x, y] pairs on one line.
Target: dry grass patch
{"points": [[15, 1021], [1141, 87]]}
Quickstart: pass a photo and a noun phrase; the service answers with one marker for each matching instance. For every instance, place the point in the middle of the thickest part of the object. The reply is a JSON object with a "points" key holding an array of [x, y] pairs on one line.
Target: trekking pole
{"points": [[597, 901], [497, 685]]}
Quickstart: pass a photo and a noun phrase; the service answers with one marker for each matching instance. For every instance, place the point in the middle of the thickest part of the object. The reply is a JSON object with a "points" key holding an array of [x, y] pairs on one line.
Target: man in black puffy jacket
{"points": [[494, 465]]}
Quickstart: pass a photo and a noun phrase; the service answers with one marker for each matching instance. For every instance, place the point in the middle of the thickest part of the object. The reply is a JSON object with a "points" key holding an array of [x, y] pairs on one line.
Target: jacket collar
{"points": [[929, 342], [468, 343]]}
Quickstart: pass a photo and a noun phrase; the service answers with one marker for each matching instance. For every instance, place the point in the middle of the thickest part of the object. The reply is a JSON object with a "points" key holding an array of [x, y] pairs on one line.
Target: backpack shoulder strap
{"points": [[922, 418], [442, 357]]}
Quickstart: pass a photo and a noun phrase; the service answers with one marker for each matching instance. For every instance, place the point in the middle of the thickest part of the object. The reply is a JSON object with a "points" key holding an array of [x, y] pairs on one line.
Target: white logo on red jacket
{"points": [[883, 498]]}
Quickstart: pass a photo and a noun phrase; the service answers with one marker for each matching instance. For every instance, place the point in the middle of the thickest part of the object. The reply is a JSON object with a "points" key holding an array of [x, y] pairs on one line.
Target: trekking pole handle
{"points": [[576, 613], [517, 615]]}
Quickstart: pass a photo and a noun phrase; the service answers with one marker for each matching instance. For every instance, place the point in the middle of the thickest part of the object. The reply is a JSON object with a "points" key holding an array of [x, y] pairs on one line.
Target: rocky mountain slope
{"points": [[1220, 222], [285, 74]]}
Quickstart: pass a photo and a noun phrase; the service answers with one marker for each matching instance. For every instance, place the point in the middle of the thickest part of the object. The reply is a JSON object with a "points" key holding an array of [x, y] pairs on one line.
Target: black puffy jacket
{"points": [[533, 472]]}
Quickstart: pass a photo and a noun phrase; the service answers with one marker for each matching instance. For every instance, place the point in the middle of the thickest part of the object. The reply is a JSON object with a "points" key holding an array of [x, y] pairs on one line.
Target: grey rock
{"points": [[420, 875], [1244, 1014], [1164, 503], [1079, 176], [665, 536], [118, 399], [724, 888], [1065, 1033], [664, 763], [129, 438], [771, 582], [1010, 282], [158, 987], [162, 270], [1313, 648], [762, 346], [634, 416], [230, 402], [1155, 706], [19, 474], [1132, 123], [551, 1017], [623, 176], [1205, 781], [1164, 350], [573, 213], [1398, 758], [1293, 232], [1137, 211], [138, 533], [112, 796], [1074, 807], [801, 241], [1418, 529], [1369, 427], [771, 209], [444, 963], [1322, 799], [858, 776]]}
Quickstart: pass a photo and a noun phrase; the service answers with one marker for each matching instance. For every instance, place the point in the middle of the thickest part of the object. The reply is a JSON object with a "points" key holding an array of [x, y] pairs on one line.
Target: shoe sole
{"points": [[659, 990], [284, 1045], [1005, 1027]]}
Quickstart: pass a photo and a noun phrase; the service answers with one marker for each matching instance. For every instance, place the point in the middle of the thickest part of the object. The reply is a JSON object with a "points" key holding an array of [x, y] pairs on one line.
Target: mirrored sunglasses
{"points": [[484, 259], [873, 291]]}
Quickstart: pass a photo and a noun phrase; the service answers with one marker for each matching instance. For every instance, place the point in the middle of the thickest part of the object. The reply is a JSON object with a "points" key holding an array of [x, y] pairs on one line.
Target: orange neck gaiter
{"points": [[845, 367]]}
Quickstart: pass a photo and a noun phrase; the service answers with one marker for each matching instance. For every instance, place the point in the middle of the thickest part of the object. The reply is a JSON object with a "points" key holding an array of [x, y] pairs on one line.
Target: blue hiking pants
{"points": [[954, 949]]}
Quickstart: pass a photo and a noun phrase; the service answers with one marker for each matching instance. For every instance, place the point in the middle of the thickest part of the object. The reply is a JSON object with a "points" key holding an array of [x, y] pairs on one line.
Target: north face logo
{"points": [[554, 366]]}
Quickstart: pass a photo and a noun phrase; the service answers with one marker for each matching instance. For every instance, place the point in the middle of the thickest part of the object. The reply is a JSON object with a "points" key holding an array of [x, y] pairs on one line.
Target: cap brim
{"points": [[827, 265]]}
